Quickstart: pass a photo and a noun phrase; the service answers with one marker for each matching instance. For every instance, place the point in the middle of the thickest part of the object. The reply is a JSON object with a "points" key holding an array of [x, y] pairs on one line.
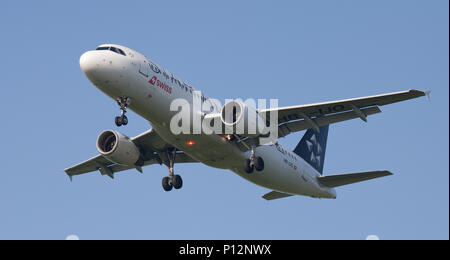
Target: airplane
{"points": [[141, 85]]}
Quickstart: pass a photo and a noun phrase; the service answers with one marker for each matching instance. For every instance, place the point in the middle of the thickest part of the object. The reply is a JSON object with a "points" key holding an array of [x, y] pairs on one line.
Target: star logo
{"points": [[314, 148]]}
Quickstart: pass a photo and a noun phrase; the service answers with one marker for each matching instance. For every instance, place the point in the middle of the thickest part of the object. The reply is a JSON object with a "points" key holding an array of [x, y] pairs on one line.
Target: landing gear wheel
{"points": [[248, 166], [167, 186], [259, 164], [173, 180], [118, 121], [124, 120], [177, 182]]}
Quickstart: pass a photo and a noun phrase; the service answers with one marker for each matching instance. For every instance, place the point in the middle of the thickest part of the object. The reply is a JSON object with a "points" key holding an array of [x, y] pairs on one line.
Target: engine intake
{"points": [[241, 119], [118, 148]]}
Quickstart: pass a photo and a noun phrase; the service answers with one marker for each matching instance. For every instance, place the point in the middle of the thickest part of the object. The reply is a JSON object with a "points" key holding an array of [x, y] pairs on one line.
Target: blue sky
{"points": [[297, 51]]}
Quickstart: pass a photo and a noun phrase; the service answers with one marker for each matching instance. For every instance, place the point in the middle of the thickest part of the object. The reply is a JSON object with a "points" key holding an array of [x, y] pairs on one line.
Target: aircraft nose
{"points": [[88, 63]]}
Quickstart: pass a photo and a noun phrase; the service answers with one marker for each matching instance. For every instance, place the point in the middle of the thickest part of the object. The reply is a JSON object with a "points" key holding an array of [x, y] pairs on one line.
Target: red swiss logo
{"points": [[152, 80]]}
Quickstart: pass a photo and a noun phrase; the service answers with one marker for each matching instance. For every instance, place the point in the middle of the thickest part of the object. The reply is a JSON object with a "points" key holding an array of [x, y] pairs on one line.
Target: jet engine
{"points": [[118, 148], [241, 119]]}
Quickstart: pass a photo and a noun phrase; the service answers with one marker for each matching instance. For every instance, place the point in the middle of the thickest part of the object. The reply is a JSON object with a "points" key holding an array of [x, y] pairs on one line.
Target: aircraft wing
{"points": [[312, 116], [152, 146]]}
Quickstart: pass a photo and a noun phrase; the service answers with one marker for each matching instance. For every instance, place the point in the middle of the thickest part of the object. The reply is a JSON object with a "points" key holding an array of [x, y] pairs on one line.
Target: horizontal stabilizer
{"points": [[275, 195], [344, 179]]}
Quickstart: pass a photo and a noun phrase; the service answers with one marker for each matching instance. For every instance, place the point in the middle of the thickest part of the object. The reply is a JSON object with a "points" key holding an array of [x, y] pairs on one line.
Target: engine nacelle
{"points": [[118, 148], [241, 119]]}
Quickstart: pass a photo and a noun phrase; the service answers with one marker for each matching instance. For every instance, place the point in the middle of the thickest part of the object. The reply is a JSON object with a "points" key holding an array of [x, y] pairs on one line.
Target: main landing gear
{"points": [[123, 102], [173, 180], [253, 163]]}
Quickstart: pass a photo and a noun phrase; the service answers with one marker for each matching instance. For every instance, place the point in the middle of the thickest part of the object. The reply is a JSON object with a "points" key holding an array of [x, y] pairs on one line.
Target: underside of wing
{"points": [[286, 128], [152, 147], [286, 114], [90, 165], [312, 116]]}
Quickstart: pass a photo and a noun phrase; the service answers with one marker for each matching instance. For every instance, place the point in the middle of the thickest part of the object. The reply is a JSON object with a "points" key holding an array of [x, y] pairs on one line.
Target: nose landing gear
{"points": [[123, 102]]}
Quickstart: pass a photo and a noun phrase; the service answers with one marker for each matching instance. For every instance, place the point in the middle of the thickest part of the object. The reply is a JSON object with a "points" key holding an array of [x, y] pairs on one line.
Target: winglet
{"points": [[427, 94], [68, 174], [139, 169], [420, 93]]}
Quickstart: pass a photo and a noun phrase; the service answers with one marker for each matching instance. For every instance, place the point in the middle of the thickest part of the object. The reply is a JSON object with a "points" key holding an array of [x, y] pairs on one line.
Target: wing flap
{"points": [[350, 178]]}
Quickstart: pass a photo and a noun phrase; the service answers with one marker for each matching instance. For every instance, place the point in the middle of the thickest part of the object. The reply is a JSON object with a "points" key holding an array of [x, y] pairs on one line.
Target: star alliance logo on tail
{"points": [[311, 144], [312, 147]]}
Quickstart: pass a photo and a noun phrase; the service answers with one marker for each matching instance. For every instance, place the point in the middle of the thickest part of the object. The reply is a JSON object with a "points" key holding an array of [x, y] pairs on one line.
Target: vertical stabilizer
{"points": [[312, 147]]}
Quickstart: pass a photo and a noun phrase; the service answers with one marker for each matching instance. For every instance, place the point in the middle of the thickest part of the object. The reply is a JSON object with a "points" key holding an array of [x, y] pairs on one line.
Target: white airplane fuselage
{"points": [[152, 90]]}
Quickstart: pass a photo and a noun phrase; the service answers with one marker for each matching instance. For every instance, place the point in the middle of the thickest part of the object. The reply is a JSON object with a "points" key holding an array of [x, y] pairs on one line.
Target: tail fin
{"points": [[312, 147]]}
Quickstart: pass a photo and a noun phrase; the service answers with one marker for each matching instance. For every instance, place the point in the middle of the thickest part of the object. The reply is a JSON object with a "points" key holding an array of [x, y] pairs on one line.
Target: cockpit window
{"points": [[114, 49], [117, 50]]}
